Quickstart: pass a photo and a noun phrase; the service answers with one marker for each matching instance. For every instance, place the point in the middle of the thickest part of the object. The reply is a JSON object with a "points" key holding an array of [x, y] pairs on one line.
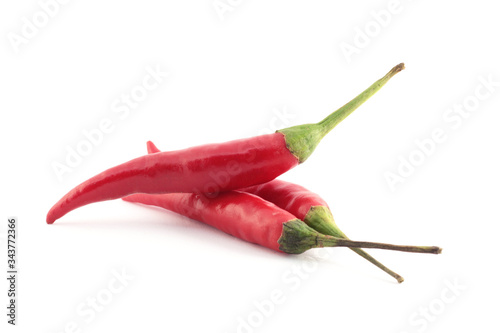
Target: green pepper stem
{"points": [[336, 117], [320, 218], [297, 237], [302, 140], [329, 241], [377, 263]]}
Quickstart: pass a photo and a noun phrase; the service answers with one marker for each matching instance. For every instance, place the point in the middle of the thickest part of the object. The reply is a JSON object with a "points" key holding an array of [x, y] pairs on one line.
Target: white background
{"points": [[230, 75]]}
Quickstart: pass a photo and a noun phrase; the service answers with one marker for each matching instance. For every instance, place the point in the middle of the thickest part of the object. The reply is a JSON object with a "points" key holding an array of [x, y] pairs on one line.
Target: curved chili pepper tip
{"points": [[198, 169]]}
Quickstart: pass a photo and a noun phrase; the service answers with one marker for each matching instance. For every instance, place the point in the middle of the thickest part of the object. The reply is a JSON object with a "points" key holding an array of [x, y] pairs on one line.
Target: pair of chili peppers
{"points": [[270, 214]]}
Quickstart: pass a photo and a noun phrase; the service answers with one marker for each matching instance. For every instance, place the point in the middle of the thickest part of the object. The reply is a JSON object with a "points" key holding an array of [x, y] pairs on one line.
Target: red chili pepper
{"points": [[211, 168], [308, 207], [258, 221]]}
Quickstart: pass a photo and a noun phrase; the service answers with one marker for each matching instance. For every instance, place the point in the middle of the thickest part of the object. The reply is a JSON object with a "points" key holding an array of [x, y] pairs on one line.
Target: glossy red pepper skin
{"points": [[295, 199], [291, 197], [253, 219], [240, 214], [208, 168], [280, 196], [212, 168]]}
